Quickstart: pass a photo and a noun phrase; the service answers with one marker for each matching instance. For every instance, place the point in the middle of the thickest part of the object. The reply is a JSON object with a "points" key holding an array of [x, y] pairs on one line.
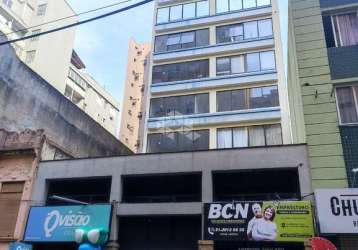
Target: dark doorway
{"points": [[160, 233], [256, 185], [55, 246], [179, 187], [258, 246], [91, 190]]}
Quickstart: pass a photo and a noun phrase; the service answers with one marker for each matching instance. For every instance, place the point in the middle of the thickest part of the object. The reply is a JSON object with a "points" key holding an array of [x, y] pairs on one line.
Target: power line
{"points": [[77, 23], [68, 17]]}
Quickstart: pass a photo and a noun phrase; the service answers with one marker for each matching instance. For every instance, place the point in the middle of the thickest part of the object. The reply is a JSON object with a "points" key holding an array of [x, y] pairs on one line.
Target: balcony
{"points": [[218, 118], [215, 19], [245, 79], [213, 50]]}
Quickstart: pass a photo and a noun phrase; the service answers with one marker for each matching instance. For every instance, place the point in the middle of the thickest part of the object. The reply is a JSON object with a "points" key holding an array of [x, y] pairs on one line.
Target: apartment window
{"points": [[246, 63], [347, 101], [74, 76], [178, 141], [242, 99], [244, 31], [265, 135], [35, 32], [8, 3], [41, 9], [223, 6], [180, 71], [30, 56], [179, 105], [341, 29], [183, 12], [183, 40]]}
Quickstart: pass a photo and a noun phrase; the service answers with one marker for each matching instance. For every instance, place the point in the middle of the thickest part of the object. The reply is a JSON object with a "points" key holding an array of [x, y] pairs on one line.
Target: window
{"points": [[30, 56], [76, 78], [223, 6], [180, 71], [41, 9], [244, 31], [183, 40], [347, 104], [178, 141], [264, 97], [179, 105], [345, 27], [265, 135], [8, 3], [34, 32], [183, 12], [241, 99], [252, 62]]}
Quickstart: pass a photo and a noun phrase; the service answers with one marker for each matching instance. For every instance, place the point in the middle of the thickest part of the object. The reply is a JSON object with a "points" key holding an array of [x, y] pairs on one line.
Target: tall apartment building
{"points": [[134, 98], [47, 55], [218, 76], [323, 63], [84, 91]]}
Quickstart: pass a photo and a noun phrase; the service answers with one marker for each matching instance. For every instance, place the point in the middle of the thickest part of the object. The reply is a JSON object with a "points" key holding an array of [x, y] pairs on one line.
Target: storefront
{"points": [[55, 227], [274, 225], [337, 211]]}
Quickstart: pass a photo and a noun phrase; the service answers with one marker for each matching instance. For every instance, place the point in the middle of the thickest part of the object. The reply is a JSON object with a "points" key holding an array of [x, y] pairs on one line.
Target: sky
{"points": [[103, 44]]}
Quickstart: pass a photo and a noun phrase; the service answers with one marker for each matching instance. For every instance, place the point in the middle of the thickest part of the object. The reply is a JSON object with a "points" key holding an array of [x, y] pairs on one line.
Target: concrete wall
{"points": [[204, 162], [29, 102], [319, 104]]}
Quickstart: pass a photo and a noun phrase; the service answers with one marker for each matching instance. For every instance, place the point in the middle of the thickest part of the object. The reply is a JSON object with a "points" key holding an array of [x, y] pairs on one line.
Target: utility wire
{"points": [[68, 17], [77, 23]]}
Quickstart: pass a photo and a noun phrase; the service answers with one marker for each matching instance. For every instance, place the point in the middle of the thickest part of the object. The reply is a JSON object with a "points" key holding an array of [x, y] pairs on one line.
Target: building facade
{"points": [[323, 64], [218, 77], [134, 98], [159, 198], [47, 55], [84, 91]]}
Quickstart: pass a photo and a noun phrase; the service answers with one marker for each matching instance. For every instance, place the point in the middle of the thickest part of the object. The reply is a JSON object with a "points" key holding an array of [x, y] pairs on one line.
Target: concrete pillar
{"points": [[308, 245], [112, 245], [206, 245]]}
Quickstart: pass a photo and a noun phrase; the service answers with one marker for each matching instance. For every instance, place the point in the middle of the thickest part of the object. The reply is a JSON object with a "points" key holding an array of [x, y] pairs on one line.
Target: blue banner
{"points": [[19, 246], [58, 224]]}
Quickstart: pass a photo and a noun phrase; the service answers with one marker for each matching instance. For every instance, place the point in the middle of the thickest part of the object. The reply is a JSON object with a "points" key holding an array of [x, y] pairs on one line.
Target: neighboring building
{"points": [[27, 101], [47, 55], [134, 98], [159, 198], [91, 97], [324, 72], [218, 77]]}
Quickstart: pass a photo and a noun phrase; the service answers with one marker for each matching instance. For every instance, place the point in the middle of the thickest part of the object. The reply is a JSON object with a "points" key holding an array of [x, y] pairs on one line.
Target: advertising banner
{"points": [[337, 210], [284, 221], [19, 246], [58, 224]]}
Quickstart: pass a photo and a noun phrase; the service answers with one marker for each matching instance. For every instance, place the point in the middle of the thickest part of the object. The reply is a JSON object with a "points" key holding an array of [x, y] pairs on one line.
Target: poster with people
{"points": [[259, 221]]}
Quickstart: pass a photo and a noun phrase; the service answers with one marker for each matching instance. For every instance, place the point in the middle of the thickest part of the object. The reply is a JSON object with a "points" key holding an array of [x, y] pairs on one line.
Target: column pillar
{"points": [[113, 235], [206, 245]]}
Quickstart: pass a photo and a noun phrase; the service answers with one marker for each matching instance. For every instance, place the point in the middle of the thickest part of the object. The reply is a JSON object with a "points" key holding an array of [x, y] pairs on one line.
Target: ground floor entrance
{"points": [[159, 232], [258, 246]]}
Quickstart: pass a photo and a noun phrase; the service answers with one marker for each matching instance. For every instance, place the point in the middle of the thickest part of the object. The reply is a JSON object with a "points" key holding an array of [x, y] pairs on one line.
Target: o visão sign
{"points": [[58, 224], [337, 210], [259, 221]]}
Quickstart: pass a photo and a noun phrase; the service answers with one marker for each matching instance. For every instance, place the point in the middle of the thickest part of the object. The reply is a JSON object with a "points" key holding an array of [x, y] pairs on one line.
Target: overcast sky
{"points": [[103, 44]]}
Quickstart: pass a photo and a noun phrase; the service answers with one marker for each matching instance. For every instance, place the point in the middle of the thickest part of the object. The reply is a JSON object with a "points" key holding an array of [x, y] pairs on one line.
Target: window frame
{"points": [[247, 129], [336, 29], [245, 63], [180, 40], [247, 98], [355, 98], [41, 9], [182, 12], [242, 7]]}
